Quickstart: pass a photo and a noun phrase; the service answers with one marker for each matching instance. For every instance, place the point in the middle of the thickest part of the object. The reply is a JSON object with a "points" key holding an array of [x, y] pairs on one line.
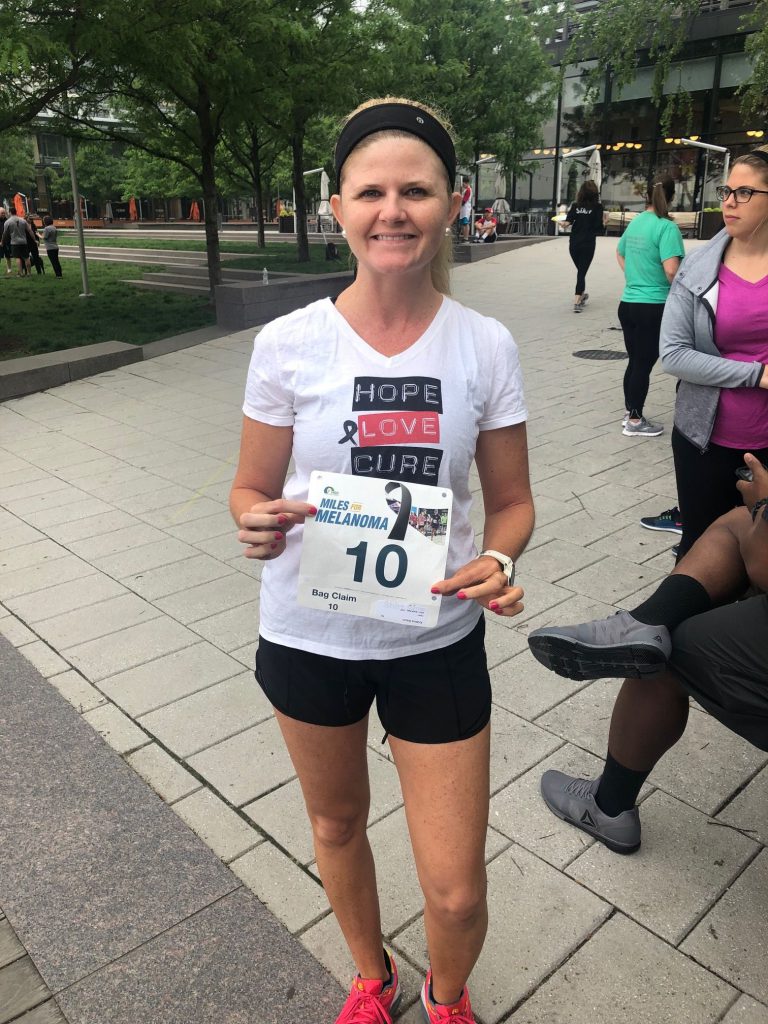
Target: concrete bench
{"points": [[242, 304], [27, 374]]}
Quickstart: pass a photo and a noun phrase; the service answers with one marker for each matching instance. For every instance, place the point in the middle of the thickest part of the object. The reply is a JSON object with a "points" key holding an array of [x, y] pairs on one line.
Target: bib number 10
{"points": [[383, 563]]}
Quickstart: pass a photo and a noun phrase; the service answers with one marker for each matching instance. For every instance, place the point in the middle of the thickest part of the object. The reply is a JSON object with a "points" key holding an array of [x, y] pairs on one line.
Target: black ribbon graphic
{"points": [[401, 523]]}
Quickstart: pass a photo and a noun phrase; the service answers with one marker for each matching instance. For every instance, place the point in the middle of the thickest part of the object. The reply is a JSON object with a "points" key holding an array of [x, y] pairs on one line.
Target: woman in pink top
{"points": [[714, 338]]}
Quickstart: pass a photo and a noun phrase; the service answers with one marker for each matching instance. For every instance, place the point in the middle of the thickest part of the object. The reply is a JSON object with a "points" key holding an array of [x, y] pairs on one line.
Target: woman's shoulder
{"points": [[481, 327], [299, 322]]}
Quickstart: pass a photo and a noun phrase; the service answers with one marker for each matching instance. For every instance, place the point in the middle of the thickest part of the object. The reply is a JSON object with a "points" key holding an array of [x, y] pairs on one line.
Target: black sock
{"points": [[676, 599], [618, 787]]}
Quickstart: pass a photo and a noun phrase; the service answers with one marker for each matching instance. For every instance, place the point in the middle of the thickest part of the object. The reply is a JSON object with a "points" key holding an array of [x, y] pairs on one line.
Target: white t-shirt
{"points": [[312, 372]]}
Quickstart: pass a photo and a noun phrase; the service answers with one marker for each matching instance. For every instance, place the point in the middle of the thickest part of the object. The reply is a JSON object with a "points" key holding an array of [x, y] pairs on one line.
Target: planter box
{"points": [[710, 224], [287, 225], [244, 304]]}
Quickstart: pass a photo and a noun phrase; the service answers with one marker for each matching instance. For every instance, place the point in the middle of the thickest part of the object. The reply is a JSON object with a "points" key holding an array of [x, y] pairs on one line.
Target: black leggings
{"points": [[582, 254], [53, 256], [706, 484], [641, 324]]}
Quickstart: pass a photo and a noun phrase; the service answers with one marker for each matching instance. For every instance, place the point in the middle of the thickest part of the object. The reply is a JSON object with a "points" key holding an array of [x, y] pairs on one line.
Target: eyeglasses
{"points": [[741, 195]]}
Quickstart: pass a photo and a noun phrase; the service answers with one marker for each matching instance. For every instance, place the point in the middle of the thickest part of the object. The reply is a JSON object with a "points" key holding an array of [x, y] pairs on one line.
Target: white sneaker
{"points": [[642, 428]]}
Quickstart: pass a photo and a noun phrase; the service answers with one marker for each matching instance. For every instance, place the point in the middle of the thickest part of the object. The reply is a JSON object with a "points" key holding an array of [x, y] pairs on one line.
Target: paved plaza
{"points": [[123, 585]]}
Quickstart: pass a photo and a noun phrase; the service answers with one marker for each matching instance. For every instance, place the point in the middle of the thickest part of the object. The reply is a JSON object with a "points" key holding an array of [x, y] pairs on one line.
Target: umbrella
{"points": [[596, 168], [194, 211], [500, 182], [133, 210], [108, 210], [18, 205], [324, 209]]}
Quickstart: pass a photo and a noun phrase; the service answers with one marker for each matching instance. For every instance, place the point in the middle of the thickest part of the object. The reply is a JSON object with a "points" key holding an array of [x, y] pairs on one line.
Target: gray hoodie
{"points": [[688, 348]]}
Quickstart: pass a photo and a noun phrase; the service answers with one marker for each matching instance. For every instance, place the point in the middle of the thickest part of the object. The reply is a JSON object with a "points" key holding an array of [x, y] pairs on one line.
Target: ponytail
{"points": [[660, 195]]}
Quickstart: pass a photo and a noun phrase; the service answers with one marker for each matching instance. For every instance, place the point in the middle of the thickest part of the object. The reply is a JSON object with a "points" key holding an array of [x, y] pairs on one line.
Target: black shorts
{"points": [[20, 252], [436, 697], [721, 659]]}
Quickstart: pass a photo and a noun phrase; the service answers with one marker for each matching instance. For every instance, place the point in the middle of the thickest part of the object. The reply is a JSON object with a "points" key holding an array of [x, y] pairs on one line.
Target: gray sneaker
{"points": [[584, 299], [573, 800], [643, 428], [617, 647]]}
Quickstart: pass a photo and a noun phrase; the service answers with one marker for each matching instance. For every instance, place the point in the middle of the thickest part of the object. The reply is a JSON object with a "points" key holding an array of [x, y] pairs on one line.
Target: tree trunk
{"points": [[258, 188], [208, 182], [302, 241]]}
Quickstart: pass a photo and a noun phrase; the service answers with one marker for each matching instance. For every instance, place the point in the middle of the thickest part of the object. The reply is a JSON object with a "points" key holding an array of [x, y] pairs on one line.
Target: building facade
{"points": [[626, 124]]}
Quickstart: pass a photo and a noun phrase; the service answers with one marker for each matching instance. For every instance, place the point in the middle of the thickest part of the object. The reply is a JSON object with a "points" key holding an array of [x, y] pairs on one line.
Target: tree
{"points": [[755, 92], [324, 57], [170, 99], [17, 167], [100, 168], [44, 51], [616, 32], [481, 61]]}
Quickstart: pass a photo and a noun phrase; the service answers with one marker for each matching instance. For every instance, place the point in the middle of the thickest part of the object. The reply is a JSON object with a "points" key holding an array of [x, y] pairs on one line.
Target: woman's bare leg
{"points": [[332, 766], [446, 791]]}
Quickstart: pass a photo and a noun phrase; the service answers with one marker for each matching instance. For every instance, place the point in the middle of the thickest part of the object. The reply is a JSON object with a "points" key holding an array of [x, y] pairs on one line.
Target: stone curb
{"points": [[29, 374]]}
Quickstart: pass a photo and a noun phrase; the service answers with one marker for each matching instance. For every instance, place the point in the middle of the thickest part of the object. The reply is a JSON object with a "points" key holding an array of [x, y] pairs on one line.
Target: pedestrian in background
{"points": [[586, 218], [34, 246], [465, 211], [17, 234], [649, 253], [51, 243], [5, 243]]}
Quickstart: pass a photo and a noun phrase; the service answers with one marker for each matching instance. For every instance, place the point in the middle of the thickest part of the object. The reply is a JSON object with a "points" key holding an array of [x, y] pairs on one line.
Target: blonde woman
{"points": [[395, 336]]}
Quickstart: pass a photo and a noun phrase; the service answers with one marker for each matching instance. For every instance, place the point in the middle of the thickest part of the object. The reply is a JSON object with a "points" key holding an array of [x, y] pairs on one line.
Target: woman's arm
{"points": [[502, 462], [671, 267], [621, 261], [256, 501]]}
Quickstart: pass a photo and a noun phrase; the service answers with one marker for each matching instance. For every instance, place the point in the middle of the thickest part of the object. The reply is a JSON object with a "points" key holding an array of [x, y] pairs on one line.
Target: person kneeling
{"points": [[693, 637]]}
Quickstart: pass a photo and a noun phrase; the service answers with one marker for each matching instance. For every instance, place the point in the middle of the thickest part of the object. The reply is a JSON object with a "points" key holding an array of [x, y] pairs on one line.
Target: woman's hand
{"points": [[483, 581], [264, 526], [756, 488]]}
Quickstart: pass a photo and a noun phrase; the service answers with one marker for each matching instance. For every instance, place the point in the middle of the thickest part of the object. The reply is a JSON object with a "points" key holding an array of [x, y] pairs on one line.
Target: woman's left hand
{"points": [[483, 581]]}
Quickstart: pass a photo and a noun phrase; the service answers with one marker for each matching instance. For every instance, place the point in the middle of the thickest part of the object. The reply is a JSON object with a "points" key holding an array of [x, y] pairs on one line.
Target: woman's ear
{"points": [[335, 202]]}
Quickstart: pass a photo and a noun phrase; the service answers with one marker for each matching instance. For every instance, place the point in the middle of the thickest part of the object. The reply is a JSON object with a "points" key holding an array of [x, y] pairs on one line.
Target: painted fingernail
{"points": [[278, 536], [273, 546], [282, 519], [461, 595], [434, 590], [493, 605], [312, 510], [499, 611]]}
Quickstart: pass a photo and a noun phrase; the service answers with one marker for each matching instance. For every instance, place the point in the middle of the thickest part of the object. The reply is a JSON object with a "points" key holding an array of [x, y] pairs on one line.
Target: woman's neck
{"points": [[390, 312], [753, 248]]}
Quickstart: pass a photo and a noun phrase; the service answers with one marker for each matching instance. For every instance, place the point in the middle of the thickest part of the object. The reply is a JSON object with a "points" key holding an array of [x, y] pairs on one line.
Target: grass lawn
{"points": [[274, 256], [45, 314]]}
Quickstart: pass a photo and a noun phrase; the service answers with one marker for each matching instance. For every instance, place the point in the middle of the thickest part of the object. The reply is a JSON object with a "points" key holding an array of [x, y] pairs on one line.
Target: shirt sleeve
{"points": [[267, 399], [621, 247], [671, 242], [505, 404]]}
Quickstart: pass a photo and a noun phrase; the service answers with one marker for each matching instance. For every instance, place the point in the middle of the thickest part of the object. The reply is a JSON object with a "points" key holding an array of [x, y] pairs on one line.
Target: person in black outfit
{"points": [[586, 219]]}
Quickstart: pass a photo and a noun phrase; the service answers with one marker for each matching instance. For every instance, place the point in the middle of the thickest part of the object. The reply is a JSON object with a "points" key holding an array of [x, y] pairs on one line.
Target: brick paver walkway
{"points": [[121, 580]]}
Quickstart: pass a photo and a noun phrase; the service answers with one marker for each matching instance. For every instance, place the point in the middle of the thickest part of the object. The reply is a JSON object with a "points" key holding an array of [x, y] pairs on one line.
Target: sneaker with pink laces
{"points": [[458, 1013], [371, 1000]]}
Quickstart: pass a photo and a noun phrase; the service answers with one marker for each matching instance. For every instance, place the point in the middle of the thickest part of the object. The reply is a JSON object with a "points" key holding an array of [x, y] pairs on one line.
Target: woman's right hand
{"points": [[264, 526]]}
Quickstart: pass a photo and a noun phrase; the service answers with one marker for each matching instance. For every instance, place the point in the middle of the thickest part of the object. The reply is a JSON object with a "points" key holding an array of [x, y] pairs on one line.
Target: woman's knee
{"points": [[457, 905], [338, 830]]}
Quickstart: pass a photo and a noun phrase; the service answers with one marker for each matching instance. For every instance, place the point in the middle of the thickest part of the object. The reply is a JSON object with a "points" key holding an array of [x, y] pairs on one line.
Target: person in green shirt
{"points": [[649, 253]]}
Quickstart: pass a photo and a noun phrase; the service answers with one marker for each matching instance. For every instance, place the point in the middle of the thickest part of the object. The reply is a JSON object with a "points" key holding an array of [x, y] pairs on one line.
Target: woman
{"points": [[5, 244], [715, 340], [649, 253], [392, 331], [586, 219]]}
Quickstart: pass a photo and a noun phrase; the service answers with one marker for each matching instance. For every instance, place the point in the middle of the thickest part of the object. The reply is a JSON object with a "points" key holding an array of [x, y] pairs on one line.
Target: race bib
{"points": [[375, 548]]}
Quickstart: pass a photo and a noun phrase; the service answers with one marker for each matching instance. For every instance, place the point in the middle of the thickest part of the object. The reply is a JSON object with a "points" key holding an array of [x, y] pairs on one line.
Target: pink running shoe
{"points": [[456, 1013], [371, 1001]]}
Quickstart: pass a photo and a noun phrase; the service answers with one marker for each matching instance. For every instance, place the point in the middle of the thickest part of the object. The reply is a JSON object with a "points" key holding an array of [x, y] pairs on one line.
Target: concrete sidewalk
{"points": [[121, 581]]}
